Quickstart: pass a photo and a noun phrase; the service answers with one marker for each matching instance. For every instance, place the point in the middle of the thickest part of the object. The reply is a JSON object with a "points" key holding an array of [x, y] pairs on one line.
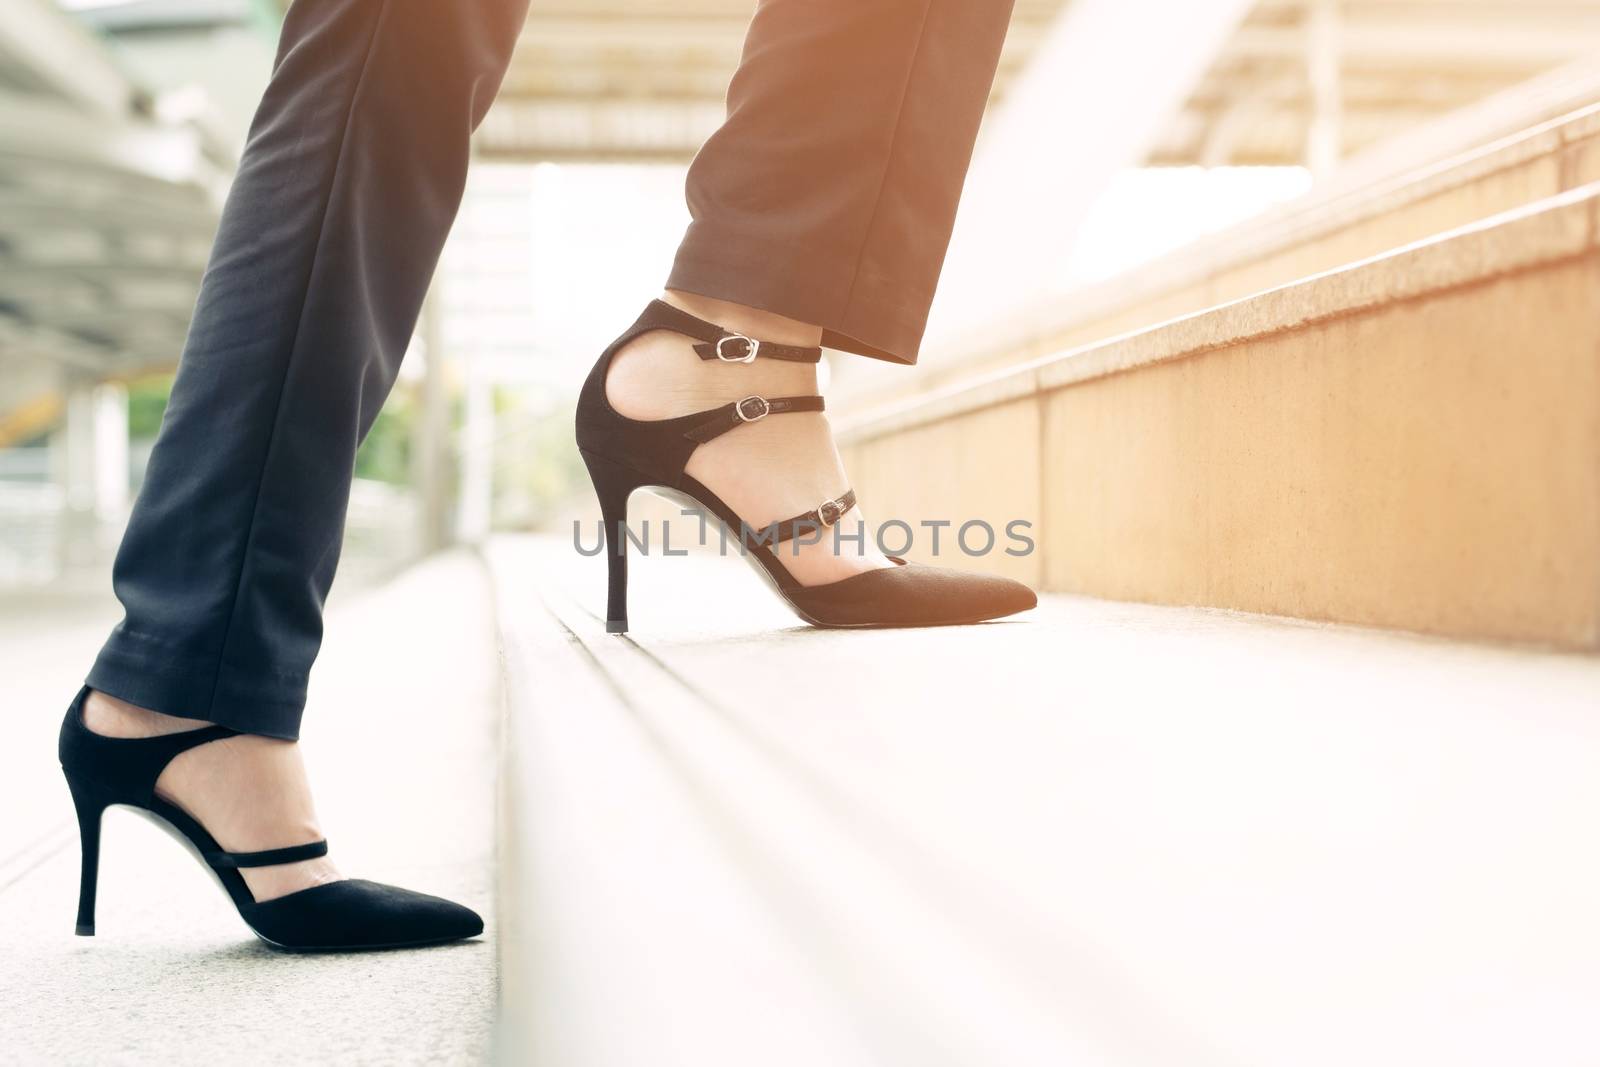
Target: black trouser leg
{"points": [[827, 196], [349, 183], [830, 192]]}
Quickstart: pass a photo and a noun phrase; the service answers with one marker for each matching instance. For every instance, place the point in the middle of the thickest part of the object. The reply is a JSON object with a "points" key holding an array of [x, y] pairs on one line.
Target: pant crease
{"points": [[294, 343]]}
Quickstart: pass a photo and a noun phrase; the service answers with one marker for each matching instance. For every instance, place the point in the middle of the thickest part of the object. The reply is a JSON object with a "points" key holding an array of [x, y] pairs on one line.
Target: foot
{"points": [[249, 792], [770, 470]]}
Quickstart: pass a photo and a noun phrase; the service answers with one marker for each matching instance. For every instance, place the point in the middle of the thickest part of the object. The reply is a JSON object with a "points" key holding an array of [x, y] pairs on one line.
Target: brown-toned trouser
{"points": [[827, 196]]}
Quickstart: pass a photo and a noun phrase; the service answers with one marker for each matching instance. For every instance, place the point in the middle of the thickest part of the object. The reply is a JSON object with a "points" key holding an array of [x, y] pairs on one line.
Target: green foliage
{"points": [[147, 401], [385, 455], [537, 470]]}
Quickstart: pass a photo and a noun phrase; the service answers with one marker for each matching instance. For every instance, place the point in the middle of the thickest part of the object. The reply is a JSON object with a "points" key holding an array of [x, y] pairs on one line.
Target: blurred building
{"points": [[109, 190]]}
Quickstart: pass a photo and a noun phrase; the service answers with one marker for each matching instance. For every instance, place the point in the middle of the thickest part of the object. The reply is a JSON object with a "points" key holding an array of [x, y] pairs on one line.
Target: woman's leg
{"points": [[829, 194], [350, 180], [821, 211]]}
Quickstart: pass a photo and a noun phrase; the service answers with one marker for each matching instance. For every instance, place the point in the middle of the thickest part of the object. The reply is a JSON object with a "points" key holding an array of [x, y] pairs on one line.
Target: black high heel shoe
{"points": [[350, 915], [625, 454]]}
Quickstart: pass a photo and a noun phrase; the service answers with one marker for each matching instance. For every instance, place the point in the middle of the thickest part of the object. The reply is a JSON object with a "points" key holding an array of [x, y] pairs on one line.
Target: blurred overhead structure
{"points": [[1394, 65], [644, 79], [105, 218], [205, 61]]}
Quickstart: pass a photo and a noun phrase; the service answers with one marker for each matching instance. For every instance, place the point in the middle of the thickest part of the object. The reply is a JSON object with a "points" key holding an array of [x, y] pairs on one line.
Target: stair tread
{"points": [[1120, 832]]}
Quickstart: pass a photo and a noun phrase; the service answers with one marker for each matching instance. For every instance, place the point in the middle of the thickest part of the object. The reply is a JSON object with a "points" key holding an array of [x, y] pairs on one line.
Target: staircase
{"points": [[1102, 833], [1382, 408]]}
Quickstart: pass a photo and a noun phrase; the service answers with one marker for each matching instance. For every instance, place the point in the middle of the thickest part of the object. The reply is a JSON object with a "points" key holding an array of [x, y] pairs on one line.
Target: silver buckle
{"points": [[839, 512], [738, 409], [751, 342]]}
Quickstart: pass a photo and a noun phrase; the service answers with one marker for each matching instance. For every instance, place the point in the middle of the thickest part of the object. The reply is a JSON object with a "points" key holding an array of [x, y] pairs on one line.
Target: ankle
{"points": [[111, 717], [741, 318], [658, 374]]}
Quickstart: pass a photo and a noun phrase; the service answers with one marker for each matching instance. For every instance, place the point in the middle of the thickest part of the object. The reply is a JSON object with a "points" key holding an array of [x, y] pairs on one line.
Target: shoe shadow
{"points": [[257, 951]]}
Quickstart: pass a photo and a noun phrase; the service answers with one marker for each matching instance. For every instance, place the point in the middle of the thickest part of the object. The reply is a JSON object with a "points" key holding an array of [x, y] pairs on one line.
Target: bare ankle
{"points": [[110, 717], [657, 375]]}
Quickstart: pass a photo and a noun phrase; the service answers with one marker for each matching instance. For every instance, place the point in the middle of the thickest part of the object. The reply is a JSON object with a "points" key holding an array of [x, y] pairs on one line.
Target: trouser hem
{"points": [[859, 312], [144, 673]]}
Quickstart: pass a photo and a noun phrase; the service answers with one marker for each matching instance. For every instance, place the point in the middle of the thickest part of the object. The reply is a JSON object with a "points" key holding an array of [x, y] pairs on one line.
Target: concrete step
{"points": [[1531, 143], [1100, 833], [400, 736], [1412, 441]]}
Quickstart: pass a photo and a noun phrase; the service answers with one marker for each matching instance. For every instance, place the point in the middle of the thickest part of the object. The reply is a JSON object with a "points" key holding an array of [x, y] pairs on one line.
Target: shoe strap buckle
{"points": [[741, 408], [752, 348], [829, 512]]}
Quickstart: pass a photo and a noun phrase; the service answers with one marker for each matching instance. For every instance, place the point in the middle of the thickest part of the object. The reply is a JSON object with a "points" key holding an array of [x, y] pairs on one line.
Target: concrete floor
{"points": [[1099, 834], [400, 735]]}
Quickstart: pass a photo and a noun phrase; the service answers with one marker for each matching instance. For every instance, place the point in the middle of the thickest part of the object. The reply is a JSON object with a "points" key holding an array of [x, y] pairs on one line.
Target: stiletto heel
{"points": [[624, 454], [613, 483], [346, 915], [91, 809]]}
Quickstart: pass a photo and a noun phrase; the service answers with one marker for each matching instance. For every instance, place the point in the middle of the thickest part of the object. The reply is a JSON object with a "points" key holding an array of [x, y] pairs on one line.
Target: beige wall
{"points": [[987, 465], [1412, 442], [1433, 465]]}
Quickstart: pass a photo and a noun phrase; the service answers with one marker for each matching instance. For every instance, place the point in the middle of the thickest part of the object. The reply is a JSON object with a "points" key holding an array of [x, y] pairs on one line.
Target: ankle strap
{"points": [[718, 343], [272, 857], [826, 514], [718, 421]]}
